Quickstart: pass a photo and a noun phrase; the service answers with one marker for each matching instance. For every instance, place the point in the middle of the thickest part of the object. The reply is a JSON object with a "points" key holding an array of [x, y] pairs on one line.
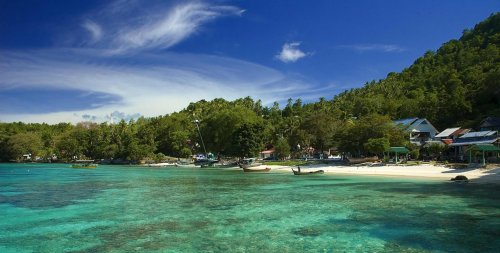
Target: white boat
{"points": [[249, 162], [335, 157], [161, 164]]}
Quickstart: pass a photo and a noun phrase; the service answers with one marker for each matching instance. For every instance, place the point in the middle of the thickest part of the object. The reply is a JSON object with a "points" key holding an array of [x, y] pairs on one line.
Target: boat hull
{"points": [[297, 173], [256, 170], [363, 160]]}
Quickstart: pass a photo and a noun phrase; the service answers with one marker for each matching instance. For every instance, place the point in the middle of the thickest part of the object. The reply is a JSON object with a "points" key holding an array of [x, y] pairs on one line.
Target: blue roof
{"points": [[471, 138], [418, 122], [478, 134], [473, 141], [405, 122]]}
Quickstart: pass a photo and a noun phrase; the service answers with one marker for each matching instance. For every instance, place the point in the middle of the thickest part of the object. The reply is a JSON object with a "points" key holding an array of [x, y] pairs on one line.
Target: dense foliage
{"points": [[458, 85]]}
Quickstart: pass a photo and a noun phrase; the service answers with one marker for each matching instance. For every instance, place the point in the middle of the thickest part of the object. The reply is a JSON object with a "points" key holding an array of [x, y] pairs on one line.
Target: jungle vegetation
{"points": [[457, 85]]}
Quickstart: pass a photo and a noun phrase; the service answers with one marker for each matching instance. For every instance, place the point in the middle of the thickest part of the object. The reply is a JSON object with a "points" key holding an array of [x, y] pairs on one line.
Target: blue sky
{"points": [[101, 60]]}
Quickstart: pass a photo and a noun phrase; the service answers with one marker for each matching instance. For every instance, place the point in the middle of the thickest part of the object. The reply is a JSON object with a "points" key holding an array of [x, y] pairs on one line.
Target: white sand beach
{"points": [[434, 172]]}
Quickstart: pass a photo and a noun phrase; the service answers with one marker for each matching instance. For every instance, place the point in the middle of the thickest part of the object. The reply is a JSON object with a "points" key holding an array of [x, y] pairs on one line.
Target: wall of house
{"points": [[426, 127]]}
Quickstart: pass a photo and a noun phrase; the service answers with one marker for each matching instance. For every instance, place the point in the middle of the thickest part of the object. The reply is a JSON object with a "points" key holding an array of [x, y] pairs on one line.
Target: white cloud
{"points": [[153, 85], [387, 48], [131, 29], [291, 53], [94, 29]]}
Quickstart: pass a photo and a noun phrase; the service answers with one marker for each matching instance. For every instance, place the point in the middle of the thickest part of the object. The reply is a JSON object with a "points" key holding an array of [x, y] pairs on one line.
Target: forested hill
{"points": [[459, 85]]}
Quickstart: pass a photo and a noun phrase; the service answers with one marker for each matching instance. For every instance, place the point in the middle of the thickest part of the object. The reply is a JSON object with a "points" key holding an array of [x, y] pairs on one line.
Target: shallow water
{"points": [[53, 208]]}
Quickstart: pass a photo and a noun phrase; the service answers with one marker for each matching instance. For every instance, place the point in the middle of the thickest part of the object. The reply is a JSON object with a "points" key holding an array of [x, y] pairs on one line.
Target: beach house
{"points": [[464, 142], [267, 154], [491, 124], [447, 137], [420, 130]]}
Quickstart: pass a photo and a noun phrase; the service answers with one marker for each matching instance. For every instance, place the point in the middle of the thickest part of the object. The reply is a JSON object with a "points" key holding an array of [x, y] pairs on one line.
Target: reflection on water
{"points": [[48, 208]]}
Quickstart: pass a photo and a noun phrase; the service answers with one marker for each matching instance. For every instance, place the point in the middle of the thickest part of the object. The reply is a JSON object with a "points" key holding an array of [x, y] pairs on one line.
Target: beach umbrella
{"points": [[483, 148], [398, 150]]}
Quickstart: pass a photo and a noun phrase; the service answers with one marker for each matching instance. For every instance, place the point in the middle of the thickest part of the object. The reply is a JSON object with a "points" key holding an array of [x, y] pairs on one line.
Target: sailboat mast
{"points": [[201, 137]]}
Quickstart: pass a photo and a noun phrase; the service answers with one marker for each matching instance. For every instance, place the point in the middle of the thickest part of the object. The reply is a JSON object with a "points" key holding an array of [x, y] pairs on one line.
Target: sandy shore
{"points": [[436, 172]]}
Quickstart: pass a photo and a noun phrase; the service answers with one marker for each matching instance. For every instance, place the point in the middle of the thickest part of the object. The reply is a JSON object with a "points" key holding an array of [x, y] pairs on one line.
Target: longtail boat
{"points": [[299, 173], [256, 170], [363, 159]]}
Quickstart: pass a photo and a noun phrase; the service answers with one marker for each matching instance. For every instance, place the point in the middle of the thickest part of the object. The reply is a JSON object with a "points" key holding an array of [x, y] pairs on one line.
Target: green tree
{"points": [[282, 149], [435, 149], [67, 146], [377, 146], [24, 144], [356, 133], [247, 140], [219, 127], [320, 127]]}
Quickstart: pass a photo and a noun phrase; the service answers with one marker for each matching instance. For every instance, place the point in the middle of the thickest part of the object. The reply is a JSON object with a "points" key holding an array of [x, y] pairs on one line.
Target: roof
{"points": [[398, 150], [490, 122], [267, 151], [485, 147], [418, 122], [413, 123], [462, 131], [478, 134], [474, 141], [447, 132], [405, 122], [447, 141]]}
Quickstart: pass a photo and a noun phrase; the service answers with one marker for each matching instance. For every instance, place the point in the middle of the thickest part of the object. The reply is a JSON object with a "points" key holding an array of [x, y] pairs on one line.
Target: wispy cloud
{"points": [[94, 29], [290, 52], [110, 84], [154, 84], [386, 48], [131, 29]]}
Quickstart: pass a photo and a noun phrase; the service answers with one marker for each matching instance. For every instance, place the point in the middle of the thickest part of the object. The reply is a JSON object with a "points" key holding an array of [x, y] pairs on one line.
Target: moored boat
{"points": [[161, 164], [249, 162], [267, 169], [298, 172], [372, 159]]}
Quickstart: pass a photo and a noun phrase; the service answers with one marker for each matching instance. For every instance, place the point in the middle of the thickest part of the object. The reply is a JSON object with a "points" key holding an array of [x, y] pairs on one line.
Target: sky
{"points": [[72, 61]]}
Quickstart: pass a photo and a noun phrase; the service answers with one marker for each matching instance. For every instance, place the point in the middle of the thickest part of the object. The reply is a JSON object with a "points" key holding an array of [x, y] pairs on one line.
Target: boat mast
{"points": [[199, 132]]}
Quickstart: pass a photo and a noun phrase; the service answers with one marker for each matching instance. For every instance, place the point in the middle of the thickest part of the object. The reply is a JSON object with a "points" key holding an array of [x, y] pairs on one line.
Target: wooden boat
{"points": [[84, 166], [249, 162], [248, 166], [299, 173], [256, 170], [363, 159]]}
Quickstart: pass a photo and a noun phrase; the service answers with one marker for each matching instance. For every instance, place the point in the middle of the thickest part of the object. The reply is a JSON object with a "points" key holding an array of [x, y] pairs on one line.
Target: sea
{"points": [[55, 208]]}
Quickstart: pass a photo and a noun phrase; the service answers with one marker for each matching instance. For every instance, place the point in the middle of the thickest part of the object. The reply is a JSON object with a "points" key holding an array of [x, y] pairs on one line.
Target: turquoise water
{"points": [[52, 208]]}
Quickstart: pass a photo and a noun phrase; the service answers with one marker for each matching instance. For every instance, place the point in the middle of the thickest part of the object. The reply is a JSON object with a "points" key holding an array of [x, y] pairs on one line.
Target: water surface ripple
{"points": [[53, 208]]}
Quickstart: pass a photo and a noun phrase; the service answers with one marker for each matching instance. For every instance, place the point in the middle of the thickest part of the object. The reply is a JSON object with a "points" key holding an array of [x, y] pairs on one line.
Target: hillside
{"points": [[458, 85]]}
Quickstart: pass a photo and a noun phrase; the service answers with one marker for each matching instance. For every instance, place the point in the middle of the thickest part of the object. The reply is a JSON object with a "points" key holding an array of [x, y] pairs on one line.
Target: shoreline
{"points": [[432, 172], [422, 171]]}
